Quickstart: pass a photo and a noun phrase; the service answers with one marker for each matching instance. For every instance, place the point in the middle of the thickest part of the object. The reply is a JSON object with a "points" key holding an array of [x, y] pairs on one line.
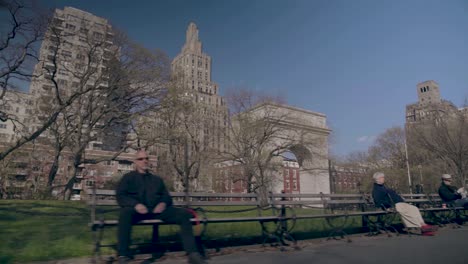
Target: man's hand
{"points": [[159, 208], [141, 209]]}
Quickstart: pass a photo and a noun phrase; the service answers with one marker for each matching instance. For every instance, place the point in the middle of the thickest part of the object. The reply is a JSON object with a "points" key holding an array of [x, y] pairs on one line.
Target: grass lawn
{"points": [[47, 230]]}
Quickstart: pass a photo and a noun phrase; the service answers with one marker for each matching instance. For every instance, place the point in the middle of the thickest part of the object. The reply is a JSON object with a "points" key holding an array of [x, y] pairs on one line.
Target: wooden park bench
{"points": [[277, 216], [196, 201], [437, 211]]}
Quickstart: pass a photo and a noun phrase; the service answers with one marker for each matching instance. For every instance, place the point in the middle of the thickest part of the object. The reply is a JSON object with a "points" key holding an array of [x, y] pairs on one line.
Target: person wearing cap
{"points": [[386, 198], [451, 194]]}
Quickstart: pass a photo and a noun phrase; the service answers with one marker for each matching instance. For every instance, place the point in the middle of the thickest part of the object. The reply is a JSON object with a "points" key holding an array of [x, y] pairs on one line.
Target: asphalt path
{"points": [[449, 246]]}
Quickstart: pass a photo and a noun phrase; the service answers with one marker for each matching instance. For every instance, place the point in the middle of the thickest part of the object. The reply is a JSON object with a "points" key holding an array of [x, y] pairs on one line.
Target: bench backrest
{"points": [[331, 201], [107, 198]]}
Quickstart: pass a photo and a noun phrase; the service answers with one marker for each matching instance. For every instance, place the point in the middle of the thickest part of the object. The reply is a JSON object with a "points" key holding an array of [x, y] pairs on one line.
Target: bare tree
{"points": [[389, 148], [19, 53], [387, 154], [257, 139], [182, 131], [21, 32], [129, 83], [6, 171], [443, 140]]}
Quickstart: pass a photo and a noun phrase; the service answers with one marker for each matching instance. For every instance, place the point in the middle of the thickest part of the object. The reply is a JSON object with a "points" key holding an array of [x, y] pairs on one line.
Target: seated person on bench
{"points": [[387, 198], [451, 194], [142, 195]]}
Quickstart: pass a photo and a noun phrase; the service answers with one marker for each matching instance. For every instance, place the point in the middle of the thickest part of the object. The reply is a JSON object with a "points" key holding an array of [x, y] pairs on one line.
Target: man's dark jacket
{"points": [[385, 197], [448, 193], [147, 189]]}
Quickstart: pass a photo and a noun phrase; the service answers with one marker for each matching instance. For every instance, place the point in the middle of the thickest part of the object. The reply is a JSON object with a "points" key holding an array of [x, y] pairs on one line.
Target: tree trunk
{"points": [[53, 171], [72, 180]]}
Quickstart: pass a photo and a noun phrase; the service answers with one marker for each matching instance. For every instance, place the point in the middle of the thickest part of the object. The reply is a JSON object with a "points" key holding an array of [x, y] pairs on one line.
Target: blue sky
{"points": [[357, 61]]}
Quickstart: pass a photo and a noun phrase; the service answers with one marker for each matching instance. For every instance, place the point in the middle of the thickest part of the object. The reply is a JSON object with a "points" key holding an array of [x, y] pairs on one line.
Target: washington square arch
{"points": [[289, 129]]}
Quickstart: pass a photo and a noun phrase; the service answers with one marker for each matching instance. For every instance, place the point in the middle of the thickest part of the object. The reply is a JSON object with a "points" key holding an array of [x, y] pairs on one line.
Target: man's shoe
{"points": [[428, 228], [196, 258], [123, 260], [428, 233]]}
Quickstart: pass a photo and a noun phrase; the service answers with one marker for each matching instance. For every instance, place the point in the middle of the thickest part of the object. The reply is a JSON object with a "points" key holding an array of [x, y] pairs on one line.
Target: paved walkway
{"points": [[448, 246]]}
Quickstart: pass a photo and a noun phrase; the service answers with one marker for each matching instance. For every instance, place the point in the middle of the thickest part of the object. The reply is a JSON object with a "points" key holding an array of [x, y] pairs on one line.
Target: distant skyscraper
{"points": [[194, 67], [429, 105]]}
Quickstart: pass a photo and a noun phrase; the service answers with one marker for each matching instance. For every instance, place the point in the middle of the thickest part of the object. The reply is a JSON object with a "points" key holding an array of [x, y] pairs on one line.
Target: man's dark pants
{"points": [[172, 215]]}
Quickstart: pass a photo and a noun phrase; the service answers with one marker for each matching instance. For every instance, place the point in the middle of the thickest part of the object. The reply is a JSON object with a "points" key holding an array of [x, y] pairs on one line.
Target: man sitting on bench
{"points": [[451, 194], [142, 195], [387, 198]]}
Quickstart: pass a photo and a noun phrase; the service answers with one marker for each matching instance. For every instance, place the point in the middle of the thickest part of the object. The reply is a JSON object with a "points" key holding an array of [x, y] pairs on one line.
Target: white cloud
{"points": [[365, 139], [362, 139]]}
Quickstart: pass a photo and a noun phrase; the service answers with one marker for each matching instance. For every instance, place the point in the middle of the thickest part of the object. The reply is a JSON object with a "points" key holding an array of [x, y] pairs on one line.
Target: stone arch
{"points": [[302, 153], [306, 133]]}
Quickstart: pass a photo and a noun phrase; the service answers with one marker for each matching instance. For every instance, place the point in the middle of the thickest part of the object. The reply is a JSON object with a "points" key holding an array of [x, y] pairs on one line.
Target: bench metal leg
{"points": [[281, 232], [200, 246], [96, 248], [445, 218], [337, 230], [156, 250], [382, 225], [97, 237]]}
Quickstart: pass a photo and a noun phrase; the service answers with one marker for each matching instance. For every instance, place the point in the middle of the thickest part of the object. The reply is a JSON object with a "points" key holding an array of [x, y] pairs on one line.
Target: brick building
{"points": [[347, 179], [229, 178]]}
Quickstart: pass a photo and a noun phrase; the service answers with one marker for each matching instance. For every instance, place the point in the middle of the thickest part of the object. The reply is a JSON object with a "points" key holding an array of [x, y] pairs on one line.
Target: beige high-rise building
{"points": [[15, 105], [194, 67], [429, 105], [75, 52]]}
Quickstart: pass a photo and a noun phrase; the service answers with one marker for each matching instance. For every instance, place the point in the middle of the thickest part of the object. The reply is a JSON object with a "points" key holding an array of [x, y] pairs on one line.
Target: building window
{"points": [[3, 126], [89, 183], [66, 54], [62, 82], [98, 35], [70, 26]]}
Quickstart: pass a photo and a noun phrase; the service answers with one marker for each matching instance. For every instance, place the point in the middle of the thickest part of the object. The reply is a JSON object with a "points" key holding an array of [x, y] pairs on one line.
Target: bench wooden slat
{"points": [[219, 203], [182, 203], [216, 195], [104, 192], [300, 195], [210, 220], [346, 202], [302, 202]]}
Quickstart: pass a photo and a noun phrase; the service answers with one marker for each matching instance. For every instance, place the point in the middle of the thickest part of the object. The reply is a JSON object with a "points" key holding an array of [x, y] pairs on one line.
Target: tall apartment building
{"points": [[15, 105], [437, 122], [75, 52], [194, 67]]}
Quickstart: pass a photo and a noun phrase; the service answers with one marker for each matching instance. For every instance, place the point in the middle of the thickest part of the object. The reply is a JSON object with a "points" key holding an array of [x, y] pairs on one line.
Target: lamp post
{"points": [[420, 174], [186, 168], [408, 168]]}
